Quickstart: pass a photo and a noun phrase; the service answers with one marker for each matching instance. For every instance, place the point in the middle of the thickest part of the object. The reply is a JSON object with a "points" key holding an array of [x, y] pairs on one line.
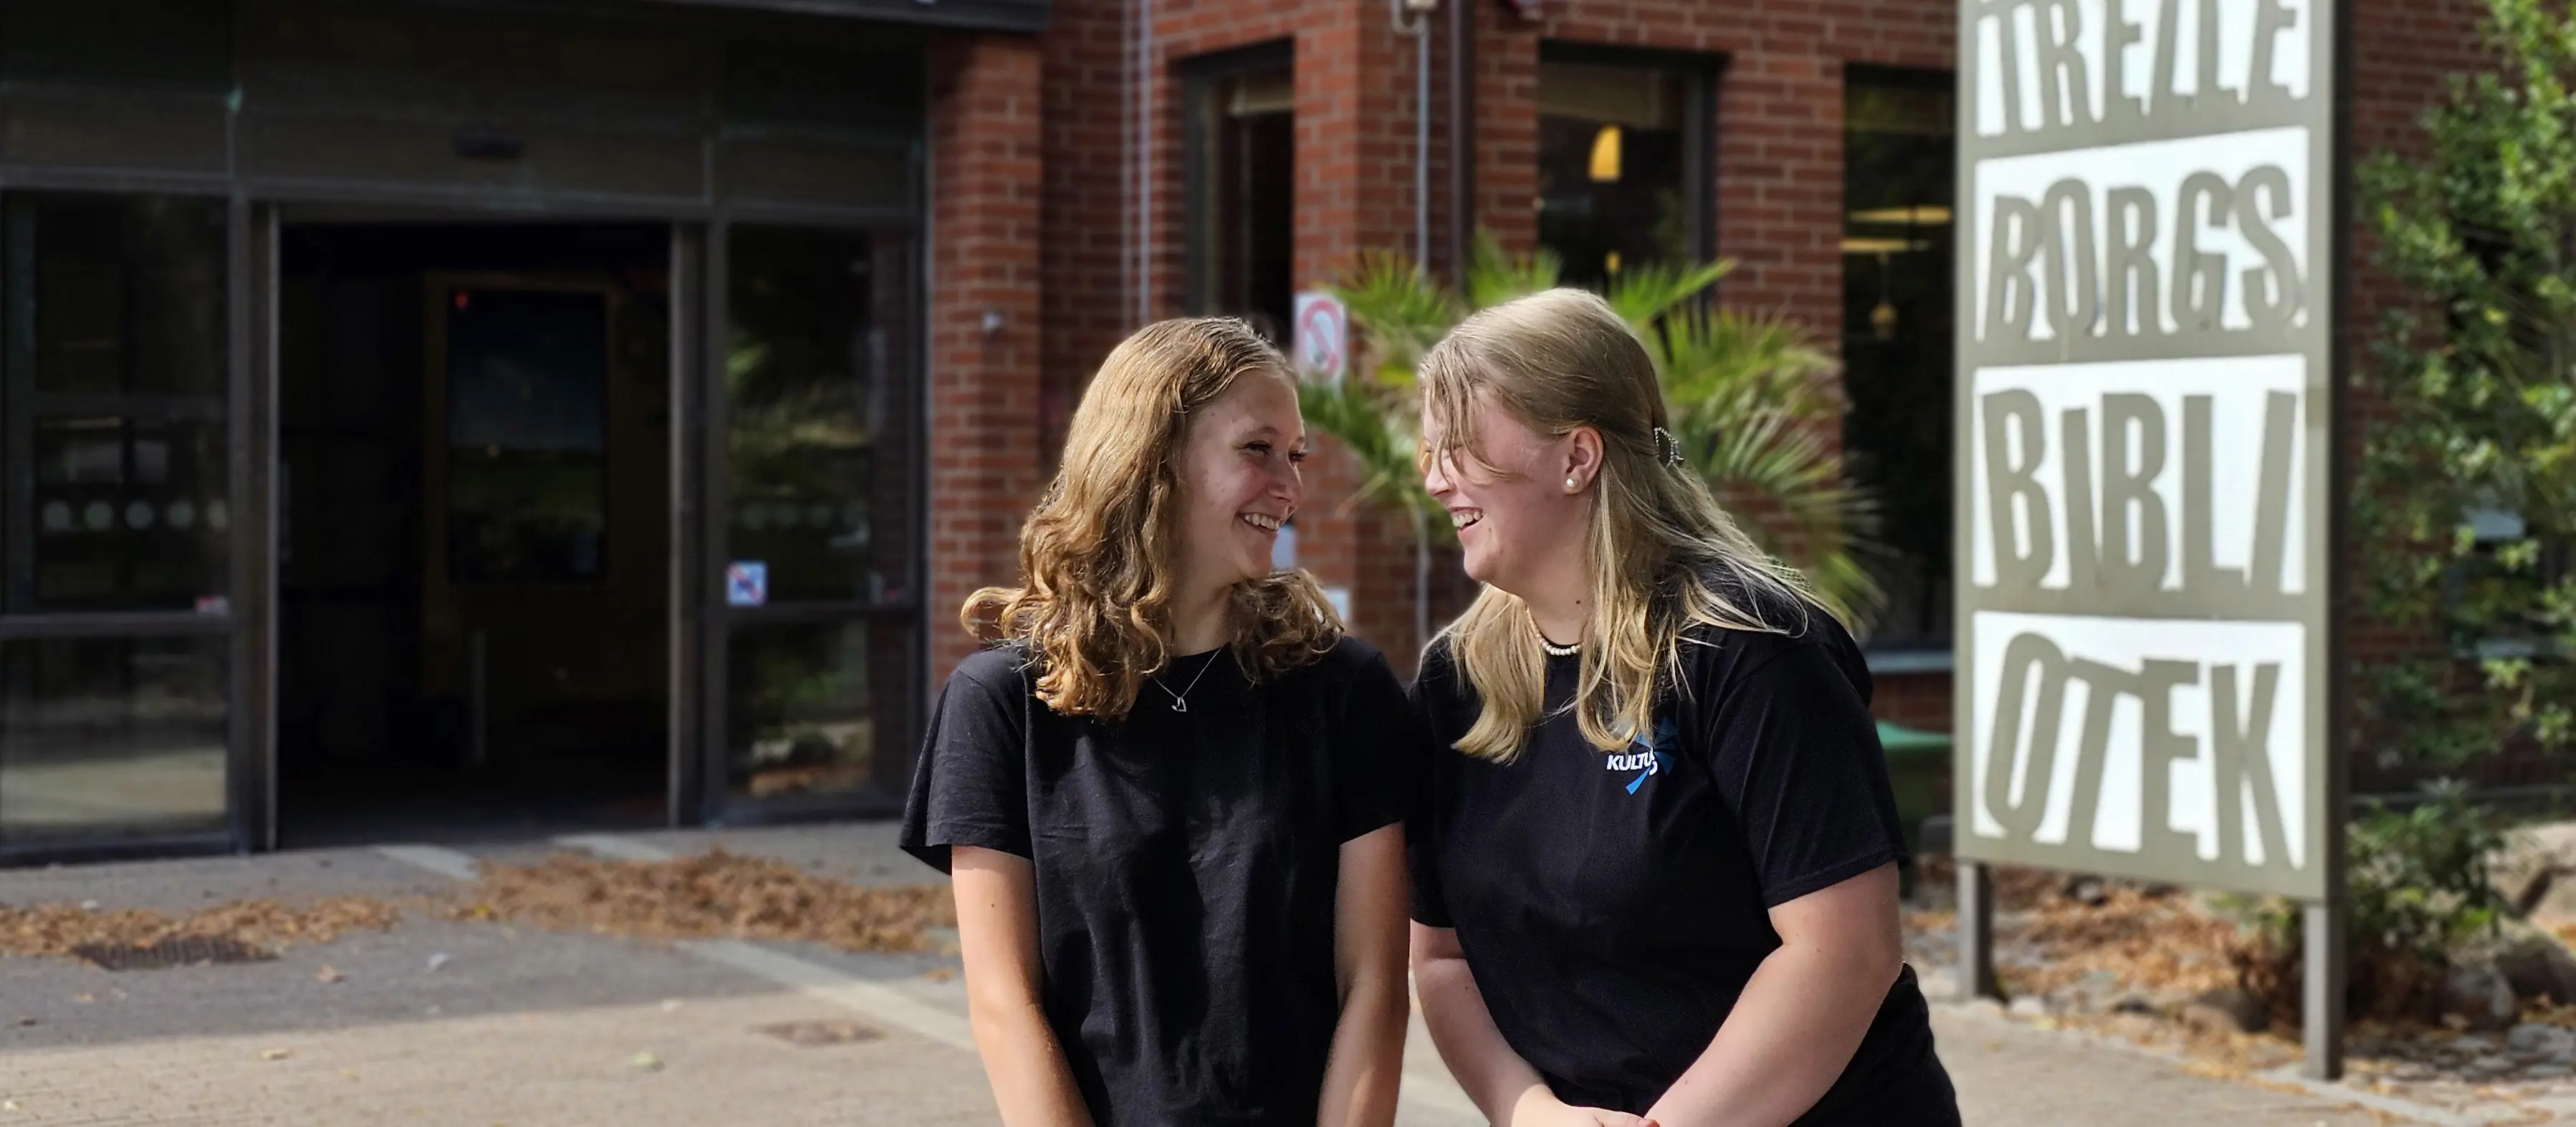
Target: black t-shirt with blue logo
{"points": [[1613, 905]]}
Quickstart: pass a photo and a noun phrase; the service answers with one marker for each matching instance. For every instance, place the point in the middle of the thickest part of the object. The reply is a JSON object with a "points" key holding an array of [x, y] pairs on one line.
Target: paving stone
{"points": [[536, 1029]]}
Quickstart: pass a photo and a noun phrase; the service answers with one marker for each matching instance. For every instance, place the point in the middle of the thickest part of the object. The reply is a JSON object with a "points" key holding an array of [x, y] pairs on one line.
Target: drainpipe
{"points": [[1127, 163], [1462, 116], [1145, 161], [1136, 134], [1419, 27], [1422, 135], [1413, 18]]}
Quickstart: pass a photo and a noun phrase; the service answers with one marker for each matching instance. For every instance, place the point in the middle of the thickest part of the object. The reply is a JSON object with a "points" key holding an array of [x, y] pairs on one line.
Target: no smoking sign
{"points": [[1322, 337]]}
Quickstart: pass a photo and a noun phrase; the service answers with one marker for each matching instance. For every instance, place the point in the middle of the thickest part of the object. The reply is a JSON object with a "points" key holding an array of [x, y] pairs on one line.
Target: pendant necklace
{"points": [[1181, 699]]}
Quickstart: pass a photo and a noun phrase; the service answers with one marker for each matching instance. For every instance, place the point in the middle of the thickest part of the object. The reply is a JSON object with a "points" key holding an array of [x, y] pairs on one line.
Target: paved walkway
{"points": [[481, 1024]]}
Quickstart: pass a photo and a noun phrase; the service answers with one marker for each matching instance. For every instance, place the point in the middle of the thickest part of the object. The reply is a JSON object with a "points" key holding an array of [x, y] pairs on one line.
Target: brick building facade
{"points": [[1775, 198], [796, 297]]}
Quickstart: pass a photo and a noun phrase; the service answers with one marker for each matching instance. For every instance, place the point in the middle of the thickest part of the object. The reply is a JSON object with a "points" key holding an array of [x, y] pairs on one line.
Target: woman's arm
{"points": [[1505, 1087], [1367, 1061], [1802, 1015], [997, 930]]}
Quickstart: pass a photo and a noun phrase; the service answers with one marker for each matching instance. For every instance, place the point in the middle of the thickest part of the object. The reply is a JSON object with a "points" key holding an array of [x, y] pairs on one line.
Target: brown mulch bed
{"points": [[2157, 949], [717, 895], [2016, 889], [2148, 943]]}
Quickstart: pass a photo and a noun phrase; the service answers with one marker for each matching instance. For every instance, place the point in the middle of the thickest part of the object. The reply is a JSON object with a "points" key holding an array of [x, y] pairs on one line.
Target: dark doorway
{"points": [[475, 543], [1240, 142]]}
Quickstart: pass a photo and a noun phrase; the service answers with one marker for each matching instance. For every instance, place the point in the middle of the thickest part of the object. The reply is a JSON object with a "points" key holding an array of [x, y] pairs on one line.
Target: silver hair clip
{"points": [[1668, 449]]}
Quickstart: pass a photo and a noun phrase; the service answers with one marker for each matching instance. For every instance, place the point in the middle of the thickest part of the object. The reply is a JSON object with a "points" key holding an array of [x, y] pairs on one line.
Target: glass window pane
{"points": [[527, 476], [819, 474], [1898, 160], [1613, 168], [817, 709], [124, 294], [129, 514], [112, 737], [116, 451]]}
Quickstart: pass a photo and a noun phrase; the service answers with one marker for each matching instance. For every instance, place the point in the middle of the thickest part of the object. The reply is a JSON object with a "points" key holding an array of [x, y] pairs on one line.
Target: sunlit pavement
{"points": [[439, 1022]]}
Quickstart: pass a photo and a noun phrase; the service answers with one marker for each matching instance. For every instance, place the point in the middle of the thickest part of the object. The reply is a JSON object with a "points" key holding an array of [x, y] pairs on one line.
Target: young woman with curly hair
{"points": [[1170, 793]]}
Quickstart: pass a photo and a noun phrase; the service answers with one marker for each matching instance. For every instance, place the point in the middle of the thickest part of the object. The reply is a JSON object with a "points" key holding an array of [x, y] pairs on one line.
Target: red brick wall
{"points": [[1778, 187], [2401, 52], [1915, 700], [1779, 181], [1082, 221], [1506, 135], [1778, 208], [1779, 121], [1355, 87], [985, 175], [1355, 134]]}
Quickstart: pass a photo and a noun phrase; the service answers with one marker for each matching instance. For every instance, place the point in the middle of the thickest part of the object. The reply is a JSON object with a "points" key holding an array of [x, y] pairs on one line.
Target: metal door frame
{"points": [[710, 620]]}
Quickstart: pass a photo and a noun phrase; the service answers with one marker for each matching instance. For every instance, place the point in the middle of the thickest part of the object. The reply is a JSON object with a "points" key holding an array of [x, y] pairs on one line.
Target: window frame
{"points": [[1701, 74], [712, 622], [1202, 78], [1917, 654], [21, 404]]}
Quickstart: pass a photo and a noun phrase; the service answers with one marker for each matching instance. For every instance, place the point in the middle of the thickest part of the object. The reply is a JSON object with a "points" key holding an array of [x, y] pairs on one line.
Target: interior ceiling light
{"points": [[1883, 246], [1921, 215], [1605, 155]]}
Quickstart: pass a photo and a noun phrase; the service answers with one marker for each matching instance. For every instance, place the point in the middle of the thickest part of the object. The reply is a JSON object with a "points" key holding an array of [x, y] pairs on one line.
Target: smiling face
{"points": [[1520, 524], [1239, 481]]}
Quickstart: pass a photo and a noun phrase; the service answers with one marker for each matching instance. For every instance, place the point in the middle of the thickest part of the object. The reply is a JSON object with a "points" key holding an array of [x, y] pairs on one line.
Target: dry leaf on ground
{"points": [[2151, 944], [717, 895], [56, 929]]}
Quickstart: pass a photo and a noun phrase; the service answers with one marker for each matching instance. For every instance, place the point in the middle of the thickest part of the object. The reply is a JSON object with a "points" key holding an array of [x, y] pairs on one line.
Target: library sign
{"points": [[2143, 418]]}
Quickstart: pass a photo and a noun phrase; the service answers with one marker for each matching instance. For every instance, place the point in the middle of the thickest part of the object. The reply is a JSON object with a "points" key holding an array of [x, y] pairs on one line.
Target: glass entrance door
{"points": [[119, 539], [812, 660]]}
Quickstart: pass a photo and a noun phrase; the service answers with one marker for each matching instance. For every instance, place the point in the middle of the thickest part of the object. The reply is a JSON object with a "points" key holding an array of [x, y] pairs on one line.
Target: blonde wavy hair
{"points": [[1662, 554], [1098, 555]]}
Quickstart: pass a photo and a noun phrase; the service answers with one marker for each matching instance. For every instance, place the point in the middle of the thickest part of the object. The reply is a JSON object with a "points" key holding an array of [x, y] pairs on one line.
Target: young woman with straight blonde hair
{"points": [[1170, 795], [1655, 870]]}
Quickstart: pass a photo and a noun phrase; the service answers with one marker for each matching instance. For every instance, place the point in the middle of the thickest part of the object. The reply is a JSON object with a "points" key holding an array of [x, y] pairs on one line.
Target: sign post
{"points": [[2147, 402]]}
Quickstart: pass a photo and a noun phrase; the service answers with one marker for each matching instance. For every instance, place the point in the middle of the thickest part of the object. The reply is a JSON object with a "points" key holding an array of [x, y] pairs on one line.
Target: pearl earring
{"points": [[1569, 485]]}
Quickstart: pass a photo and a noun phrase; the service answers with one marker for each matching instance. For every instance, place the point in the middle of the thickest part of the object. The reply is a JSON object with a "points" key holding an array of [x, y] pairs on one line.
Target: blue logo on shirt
{"points": [[1648, 757]]}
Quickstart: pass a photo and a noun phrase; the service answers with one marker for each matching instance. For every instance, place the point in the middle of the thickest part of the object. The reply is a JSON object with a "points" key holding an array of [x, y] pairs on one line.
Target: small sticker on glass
{"points": [[746, 583]]}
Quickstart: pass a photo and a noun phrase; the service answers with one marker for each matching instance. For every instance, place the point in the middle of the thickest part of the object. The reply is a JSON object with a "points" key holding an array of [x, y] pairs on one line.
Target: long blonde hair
{"points": [[1662, 555], [1098, 554]]}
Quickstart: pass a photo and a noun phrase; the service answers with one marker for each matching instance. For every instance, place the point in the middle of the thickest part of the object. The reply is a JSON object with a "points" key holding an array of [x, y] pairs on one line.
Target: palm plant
{"points": [[1742, 389]]}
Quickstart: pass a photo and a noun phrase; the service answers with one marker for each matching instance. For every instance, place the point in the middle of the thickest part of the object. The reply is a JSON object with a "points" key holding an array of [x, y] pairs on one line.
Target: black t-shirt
{"points": [[1186, 866], [1613, 905]]}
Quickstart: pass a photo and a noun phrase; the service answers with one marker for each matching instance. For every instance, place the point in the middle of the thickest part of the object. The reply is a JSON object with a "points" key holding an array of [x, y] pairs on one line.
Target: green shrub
{"points": [[2417, 891]]}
